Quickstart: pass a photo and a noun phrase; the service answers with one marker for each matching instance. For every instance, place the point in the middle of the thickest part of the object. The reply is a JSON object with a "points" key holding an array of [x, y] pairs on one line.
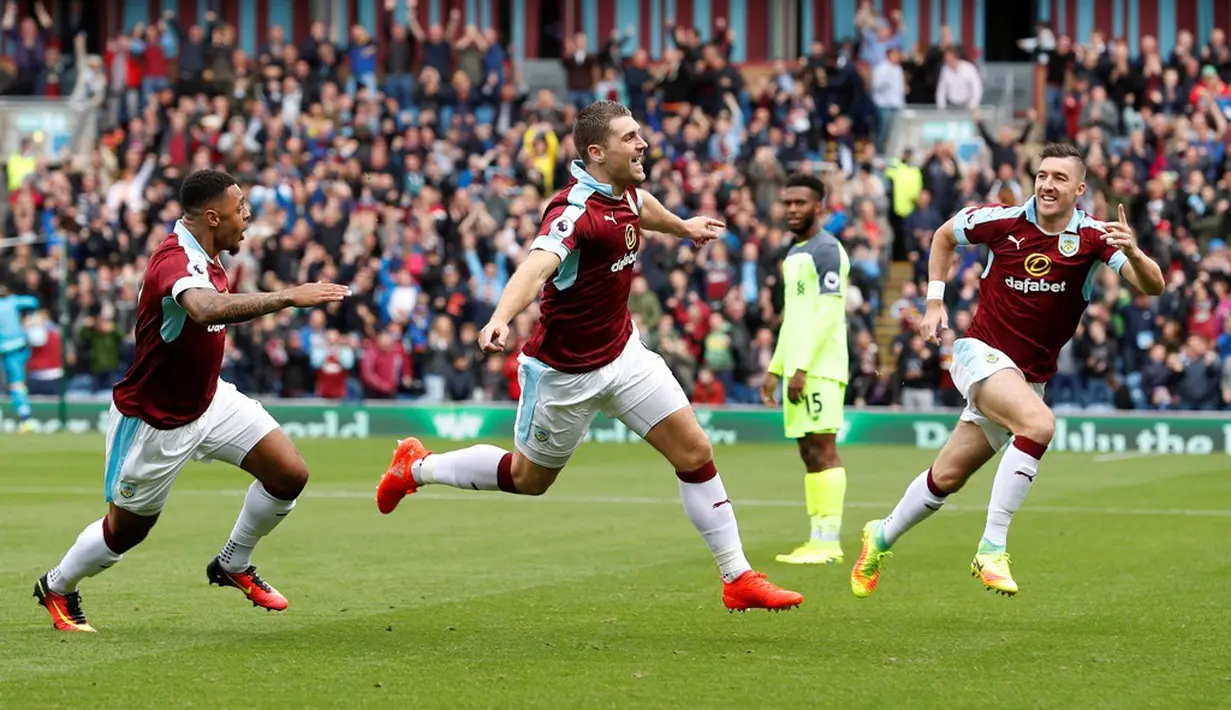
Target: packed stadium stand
{"points": [[407, 149]]}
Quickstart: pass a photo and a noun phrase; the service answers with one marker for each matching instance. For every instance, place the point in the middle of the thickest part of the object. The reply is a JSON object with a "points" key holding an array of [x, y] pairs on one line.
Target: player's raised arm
{"points": [[940, 261], [523, 287], [208, 307], [216, 215], [657, 218], [1143, 273]]}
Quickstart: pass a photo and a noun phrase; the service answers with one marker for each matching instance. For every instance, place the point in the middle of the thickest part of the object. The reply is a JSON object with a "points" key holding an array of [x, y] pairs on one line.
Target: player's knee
{"points": [[529, 479], [123, 531], [1040, 427], [532, 484], [695, 456], [949, 479], [819, 453], [291, 479], [826, 455]]}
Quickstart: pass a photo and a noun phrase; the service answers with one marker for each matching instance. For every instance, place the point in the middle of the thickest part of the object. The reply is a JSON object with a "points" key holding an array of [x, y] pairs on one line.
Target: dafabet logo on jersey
{"points": [[1036, 266]]}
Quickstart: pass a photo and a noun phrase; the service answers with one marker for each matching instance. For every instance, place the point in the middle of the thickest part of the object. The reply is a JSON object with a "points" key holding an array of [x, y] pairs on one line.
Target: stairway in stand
{"points": [[887, 327]]}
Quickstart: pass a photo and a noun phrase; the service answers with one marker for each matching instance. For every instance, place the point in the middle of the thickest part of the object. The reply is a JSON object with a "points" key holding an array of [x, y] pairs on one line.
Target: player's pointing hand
{"points": [[317, 294], [703, 229], [1119, 233], [494, 337]]}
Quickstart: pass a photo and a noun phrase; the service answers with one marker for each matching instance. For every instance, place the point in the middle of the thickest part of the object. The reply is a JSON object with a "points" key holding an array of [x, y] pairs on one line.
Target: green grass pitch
{"points": [[600, 595]]}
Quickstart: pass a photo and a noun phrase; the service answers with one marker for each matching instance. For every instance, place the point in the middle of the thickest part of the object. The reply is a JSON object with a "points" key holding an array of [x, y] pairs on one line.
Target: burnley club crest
{"points": [[1069, 244]]}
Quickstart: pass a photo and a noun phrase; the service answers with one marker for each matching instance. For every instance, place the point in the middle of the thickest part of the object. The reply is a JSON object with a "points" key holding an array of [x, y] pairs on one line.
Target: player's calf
{"points": [[480, 468], [529, 478], [680, 438], [824, 492], [125, 529], [281, 476], [94, 551], [1008, 400]]}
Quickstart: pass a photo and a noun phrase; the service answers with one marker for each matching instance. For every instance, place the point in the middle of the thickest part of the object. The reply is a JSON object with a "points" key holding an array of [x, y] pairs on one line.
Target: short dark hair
{"points": [[203, 187], [1064, 150], [811, 182], [593, 123]]}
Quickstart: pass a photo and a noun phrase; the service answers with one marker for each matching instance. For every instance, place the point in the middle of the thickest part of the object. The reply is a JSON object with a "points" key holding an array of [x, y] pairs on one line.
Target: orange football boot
{"points": [[65, 609], [250, 583], [398, 482], [753, 591]]}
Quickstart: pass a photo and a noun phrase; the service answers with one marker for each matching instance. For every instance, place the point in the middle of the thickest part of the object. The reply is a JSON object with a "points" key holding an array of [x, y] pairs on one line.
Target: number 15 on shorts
{"points": [[818, 410], [812, 404]]}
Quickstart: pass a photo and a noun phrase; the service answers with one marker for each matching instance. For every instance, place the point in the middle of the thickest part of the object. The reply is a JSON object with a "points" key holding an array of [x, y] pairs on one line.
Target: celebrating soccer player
{"points": [[172, 407], [1044, 257], [585, 355], [812, 355]]}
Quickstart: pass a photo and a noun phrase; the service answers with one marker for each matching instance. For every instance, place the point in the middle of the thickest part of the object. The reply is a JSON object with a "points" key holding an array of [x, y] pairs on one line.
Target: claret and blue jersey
{"points": [[585, 322], [1037, 284], [175, 370]]}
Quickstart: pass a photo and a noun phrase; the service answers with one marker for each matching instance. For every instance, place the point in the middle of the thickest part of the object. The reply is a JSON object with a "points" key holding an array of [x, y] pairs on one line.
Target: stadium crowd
{"points": [[417, 174]]}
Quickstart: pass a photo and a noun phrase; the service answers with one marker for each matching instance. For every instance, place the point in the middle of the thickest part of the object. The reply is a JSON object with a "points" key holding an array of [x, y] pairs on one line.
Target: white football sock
{"points": [[917, 505], [474, 468], [710, 511], [1014, 476], [260, 515], [86, 558]]}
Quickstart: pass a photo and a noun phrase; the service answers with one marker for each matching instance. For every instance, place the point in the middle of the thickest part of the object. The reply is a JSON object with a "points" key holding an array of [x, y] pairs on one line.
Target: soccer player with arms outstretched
{"points": [[1044, 257], [812, 355], [585, 356], [171, 406]]}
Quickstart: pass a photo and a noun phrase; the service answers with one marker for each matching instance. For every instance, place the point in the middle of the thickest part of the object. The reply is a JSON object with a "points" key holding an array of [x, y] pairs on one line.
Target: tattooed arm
{"points": [[209, 307]]}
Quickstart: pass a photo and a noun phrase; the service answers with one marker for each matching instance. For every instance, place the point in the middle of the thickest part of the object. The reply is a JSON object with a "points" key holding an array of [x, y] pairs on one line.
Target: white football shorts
{"points": [[142, 462], [556, 408], [975, 361]]}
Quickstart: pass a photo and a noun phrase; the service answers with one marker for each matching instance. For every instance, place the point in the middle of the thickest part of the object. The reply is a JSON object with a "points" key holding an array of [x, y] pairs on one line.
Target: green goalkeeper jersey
{"points": [[815, 275]]}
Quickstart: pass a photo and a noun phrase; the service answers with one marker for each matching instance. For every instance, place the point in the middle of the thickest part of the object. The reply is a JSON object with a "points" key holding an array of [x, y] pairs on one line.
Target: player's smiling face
{"points": [[1057, 186], [625, 151]]}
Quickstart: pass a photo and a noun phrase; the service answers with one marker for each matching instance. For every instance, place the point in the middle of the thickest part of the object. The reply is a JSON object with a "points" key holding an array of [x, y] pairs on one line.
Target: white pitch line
{"points": [[625, 500], [1122, 456]]}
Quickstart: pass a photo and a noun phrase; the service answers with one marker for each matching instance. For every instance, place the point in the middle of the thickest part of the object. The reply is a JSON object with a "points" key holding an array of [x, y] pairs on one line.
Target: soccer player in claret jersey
{"points": [[171, 406], [812, 355], [1044, 257], [585, 355]]}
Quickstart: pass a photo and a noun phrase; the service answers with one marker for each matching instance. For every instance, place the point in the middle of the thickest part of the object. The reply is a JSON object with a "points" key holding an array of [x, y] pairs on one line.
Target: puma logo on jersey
{"points": [[610, 218], [1017, 241], [626, 261]]}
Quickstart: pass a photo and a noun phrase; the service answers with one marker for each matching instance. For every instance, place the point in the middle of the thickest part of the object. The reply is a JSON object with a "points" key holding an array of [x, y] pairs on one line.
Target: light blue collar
{"points": [[1033, 216], [578, 169], [186, 237]]}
